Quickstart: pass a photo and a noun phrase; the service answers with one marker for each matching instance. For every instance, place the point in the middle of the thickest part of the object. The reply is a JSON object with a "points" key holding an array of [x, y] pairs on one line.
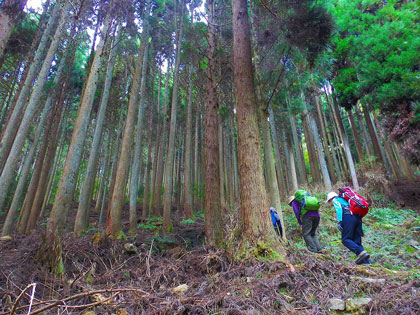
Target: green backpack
{"points": [[309, 202]]}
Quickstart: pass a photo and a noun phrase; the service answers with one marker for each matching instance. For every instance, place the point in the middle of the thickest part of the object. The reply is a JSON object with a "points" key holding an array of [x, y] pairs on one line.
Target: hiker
{"points": [[307, 219], [276, 221], [350, 226]]}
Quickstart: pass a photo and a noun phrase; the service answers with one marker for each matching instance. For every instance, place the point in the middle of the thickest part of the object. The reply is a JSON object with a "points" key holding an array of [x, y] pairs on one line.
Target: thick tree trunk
{"points": [[188, 200], [15, 151], [67, 184], [167, 198], [221, 162], [256, 223], [13, 122], [292, 162], [212, 207], [82, 216], [114, 222]]}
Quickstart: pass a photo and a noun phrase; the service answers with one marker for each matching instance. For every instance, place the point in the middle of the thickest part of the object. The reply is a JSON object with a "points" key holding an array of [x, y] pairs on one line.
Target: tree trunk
{"points": [[256, 223], [356, 135], [373, 137], [13, 210], [82, 217], [162, 146], [299, 154], [9, 13], [147, 185], [388, 149], [212, 207], [137, 171], [187, 161], [367, 142], [67, 184], [16, 149], [330, 162], [114, 223], [12, 124], [273, 186], [167, 222], [313, 160], [343, 135]]}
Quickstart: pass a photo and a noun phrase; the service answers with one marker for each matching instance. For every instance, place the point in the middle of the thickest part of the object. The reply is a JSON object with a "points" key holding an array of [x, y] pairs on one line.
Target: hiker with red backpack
{"points": [[350, 209], [305, 207]]}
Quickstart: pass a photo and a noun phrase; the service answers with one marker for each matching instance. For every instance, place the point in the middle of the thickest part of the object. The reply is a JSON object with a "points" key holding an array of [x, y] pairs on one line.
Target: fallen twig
{"points": [[20, 297]]}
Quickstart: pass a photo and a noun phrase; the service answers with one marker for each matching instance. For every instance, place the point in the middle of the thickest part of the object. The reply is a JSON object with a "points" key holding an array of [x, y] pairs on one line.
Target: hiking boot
{"points": [[362, 257]]}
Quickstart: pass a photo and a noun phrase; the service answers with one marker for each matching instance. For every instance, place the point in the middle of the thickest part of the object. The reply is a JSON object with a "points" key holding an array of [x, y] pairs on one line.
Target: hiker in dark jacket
{"points": [[275, 218], [309, 222], [350, 226]]}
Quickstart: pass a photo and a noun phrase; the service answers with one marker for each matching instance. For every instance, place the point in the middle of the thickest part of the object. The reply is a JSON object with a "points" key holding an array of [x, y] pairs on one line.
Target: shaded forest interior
{"points": [[144, 142]]}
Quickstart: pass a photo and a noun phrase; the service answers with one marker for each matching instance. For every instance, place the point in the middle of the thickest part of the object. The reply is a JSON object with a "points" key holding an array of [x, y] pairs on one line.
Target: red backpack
{"points": [[358, 205]]}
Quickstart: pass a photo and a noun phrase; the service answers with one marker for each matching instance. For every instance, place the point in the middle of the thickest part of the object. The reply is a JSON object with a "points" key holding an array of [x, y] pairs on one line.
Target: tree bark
{"points": [[12, 160], [82, 216], [299, 154], [212, 202], [356, 135], [188, 200], [147, 185], [169, 164], [67, 184], [114, 222], [9, 13], [373, 137], [256, 223], [13, 122]]}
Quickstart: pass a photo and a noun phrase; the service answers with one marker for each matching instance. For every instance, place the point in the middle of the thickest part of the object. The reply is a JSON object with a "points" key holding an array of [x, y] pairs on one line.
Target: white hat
{"points": [[331, 195], [291, 198], [272, 209]]}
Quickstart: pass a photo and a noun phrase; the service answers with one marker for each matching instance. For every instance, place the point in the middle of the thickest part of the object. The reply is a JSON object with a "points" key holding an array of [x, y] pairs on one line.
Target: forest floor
{"points": [[177, 274]]}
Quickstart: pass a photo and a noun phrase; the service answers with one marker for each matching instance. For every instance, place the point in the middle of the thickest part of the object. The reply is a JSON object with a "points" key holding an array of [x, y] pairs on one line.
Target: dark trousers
{"points": [[352, 233], [309, 226]]}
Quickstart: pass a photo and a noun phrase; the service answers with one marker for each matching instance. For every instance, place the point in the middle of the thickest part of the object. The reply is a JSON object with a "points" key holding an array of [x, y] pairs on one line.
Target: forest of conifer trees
{"points": [[162, 131]]}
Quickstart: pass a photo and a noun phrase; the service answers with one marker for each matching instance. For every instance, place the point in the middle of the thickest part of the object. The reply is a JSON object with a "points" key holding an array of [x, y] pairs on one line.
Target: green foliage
{"points": [[147, 226], [187, 221], [199, 213]]}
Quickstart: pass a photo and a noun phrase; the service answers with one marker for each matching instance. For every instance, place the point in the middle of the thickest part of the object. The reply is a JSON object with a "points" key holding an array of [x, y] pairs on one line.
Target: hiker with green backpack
{"points": [[305, 207]]}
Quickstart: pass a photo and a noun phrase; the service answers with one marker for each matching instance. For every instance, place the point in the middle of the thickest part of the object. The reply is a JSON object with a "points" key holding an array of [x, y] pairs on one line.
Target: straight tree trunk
{"points": [[256, 223], [367, 142], [67, 184], [147, 185], [373, 137], [82, 217], [329, 159], [137, 173], [292, 162], [273, 186], [117, 201], [167, 198], [15, 151], [299, 154], [343, 136], [196, 153], [313, 160], [212, 202], [188, 200]]}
